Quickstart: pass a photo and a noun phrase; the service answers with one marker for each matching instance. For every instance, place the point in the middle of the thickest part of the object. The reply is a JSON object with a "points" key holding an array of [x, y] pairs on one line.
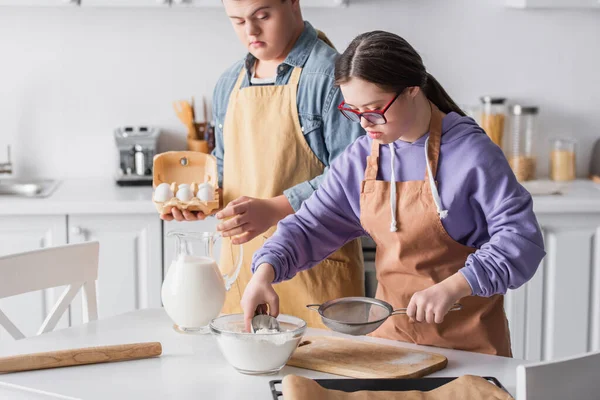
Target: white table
{"points": [[191, 366]]}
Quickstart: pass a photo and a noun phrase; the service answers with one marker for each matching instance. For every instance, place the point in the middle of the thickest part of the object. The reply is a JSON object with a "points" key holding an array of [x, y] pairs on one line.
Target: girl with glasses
{"points": [[450, 221]]}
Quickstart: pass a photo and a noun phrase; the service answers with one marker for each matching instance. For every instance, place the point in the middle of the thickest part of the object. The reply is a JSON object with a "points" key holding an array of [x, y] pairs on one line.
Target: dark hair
{"points": [[390, 62]]}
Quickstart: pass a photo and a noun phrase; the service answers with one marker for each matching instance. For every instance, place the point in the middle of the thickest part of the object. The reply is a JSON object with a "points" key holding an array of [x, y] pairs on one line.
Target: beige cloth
{"points": [[324, 38], [419, 255], [265, 154], [467, 387]]}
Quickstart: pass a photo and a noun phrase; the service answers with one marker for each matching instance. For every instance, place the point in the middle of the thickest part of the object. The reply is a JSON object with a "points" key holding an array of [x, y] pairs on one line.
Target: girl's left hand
{"points": [[432, 304]]}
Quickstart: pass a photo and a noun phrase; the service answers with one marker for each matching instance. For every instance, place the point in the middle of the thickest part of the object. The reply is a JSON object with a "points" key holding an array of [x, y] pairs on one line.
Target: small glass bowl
{"points": [[257, 353]]}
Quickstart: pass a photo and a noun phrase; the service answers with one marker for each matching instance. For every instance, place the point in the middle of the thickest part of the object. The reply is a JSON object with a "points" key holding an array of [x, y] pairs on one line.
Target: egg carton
{"points": [[191, 168]]}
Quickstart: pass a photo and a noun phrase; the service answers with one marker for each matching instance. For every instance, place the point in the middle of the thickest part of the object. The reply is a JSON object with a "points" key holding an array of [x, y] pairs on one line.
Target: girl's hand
{"points": [[432, 304], [260, 291]]}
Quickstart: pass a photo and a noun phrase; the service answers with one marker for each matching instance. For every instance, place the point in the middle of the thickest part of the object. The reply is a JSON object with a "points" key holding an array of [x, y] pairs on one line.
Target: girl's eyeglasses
{"points": [[376, 117]]}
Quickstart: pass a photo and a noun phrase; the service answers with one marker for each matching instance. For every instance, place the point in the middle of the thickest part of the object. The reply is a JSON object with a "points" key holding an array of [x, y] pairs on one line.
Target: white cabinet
{"points": [[125, 3], [130, 264], [557, 313], [39, 2], [553, 3], [130, 270], [152, 3], [25, 233], [219, 3]]}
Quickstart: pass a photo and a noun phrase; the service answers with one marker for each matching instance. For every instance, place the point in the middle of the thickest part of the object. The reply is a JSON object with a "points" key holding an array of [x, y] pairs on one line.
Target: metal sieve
{"points": [[358, 315]]}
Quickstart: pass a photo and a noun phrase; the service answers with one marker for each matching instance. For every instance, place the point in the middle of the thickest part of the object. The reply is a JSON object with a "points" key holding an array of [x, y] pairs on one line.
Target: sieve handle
{"points": [[314, 307], [402, 311]]}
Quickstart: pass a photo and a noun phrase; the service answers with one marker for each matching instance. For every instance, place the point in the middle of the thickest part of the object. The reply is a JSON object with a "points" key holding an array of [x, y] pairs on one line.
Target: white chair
{"points": [[573, 378], [75, 265]]}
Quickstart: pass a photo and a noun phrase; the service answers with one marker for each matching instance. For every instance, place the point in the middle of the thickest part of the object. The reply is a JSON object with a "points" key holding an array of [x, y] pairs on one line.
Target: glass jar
{"points": [[562, 159], [493, 114], [520, 141], [193, 292]]}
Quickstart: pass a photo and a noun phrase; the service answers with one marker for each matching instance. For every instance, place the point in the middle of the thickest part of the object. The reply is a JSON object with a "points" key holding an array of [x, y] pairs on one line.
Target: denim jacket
{"points": [[325, 129]]}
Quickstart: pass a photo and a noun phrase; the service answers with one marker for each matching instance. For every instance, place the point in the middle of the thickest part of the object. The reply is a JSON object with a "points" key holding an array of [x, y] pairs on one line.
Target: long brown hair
{"points": [[390, 62]]}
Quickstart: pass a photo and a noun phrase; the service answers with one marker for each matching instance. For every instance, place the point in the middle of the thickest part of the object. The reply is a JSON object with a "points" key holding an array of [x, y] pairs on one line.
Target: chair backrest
{"points": [[574, 378], [75, 265]]}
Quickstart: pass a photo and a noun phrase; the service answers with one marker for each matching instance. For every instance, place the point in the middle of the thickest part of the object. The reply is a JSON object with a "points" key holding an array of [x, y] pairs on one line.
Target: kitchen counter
{"points": [[103, 196], [191, 366], [580, 196], [84, 196]]}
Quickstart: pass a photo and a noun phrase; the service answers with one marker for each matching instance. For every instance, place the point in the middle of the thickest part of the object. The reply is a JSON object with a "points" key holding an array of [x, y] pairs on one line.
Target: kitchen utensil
{"points": [[262, 320], [257, 353], [297, 387], [194, 168], [82, 356], [357, 315], [193, 107], [194, 289], [185, 112], [362, 359], [595, 161], [200, 140]]}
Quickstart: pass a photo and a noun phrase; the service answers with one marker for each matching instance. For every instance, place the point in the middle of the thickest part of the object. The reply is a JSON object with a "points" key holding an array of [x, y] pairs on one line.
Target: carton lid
{"points": [[185, 167]]}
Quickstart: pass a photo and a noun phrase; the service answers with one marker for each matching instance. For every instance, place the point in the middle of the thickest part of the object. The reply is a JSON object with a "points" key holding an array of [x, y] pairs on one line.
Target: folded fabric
{"points": [[467, 387]]}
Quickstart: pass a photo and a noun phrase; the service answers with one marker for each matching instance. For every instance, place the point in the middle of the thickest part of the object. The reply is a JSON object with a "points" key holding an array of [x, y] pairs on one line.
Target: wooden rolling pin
{"points": [[87, 355]]}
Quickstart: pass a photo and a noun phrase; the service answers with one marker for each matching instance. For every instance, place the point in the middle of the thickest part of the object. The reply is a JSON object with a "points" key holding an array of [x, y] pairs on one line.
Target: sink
{"points": [[28, 188]]}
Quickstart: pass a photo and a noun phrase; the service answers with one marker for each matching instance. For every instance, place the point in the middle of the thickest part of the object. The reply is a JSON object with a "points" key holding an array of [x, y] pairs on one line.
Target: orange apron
{"points": [[265, 154], [419, 255]]}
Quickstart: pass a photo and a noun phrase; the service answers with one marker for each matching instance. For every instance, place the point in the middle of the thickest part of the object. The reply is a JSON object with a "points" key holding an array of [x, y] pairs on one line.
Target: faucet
{"points": [[6, 167]]}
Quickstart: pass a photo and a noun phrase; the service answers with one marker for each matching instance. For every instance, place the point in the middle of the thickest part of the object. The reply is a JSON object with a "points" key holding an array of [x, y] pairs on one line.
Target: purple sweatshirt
{"points": [[487, 209]]}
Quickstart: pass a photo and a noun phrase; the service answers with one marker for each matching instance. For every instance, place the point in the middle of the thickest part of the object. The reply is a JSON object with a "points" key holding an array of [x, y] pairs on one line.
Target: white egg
{"points": [[184, 185], [185, 194], [163, 193], [206, 192]]}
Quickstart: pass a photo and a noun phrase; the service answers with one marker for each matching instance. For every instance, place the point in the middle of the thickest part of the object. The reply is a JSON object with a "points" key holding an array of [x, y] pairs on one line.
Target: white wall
{"points": [[69, 76]]}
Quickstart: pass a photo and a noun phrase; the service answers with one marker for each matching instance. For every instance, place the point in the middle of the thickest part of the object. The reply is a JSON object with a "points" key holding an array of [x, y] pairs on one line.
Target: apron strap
{"points": [[240, 79], [295, 77], [432, 153], [435, 136], [321, 35], [372, 162]]}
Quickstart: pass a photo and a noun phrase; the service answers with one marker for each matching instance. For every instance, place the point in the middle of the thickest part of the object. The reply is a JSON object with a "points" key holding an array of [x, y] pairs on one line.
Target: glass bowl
{"points": [[257, 353]]}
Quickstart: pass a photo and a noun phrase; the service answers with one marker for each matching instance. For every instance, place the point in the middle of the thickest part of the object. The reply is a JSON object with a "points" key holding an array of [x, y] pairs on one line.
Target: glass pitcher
{"points": [[193, 292]]}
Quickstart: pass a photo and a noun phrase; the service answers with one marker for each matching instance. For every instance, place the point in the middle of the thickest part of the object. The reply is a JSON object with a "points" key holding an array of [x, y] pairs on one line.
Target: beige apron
{"points": [[421, 254], [266, 153]]}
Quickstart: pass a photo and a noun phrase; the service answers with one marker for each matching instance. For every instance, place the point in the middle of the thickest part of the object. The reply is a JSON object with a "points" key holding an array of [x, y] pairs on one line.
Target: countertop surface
{"points": [[190, 367], [103, 196], [84, 196]]}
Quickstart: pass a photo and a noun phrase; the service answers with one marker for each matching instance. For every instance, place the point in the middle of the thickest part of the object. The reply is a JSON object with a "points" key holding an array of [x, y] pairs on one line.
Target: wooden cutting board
{"points": [[358, 359]]}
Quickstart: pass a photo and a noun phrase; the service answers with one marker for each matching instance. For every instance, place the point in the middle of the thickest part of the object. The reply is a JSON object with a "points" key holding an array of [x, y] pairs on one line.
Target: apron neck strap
{"points": [[295, 78], [433, 148], [373, 162], [240, 79], [434, 140]]}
